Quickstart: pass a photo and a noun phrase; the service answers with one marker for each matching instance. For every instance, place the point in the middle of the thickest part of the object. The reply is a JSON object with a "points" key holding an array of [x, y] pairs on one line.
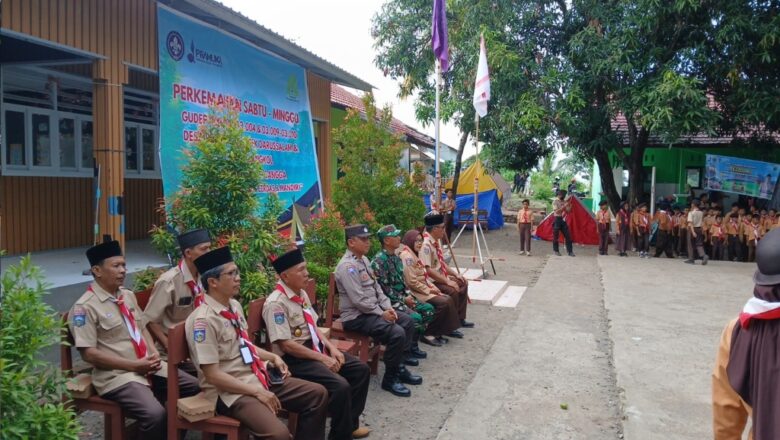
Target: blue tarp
{"points": [[488, 201]]}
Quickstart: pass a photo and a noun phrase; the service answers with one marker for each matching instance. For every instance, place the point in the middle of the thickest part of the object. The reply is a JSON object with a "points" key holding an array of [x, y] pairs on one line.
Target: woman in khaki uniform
{"points": [[445, 319]]}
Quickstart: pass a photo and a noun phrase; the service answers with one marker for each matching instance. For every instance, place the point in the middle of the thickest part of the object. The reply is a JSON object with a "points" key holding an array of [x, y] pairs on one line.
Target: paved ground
{"points": [[599, 348]]}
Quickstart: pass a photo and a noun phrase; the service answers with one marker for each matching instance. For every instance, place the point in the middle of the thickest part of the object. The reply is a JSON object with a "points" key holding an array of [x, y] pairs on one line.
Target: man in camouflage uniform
{"points": [[389, 271]]}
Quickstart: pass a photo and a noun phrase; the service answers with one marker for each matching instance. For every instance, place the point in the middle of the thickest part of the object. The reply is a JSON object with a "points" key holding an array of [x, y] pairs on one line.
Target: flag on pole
{"points": [[439, 41], [482, 85]]}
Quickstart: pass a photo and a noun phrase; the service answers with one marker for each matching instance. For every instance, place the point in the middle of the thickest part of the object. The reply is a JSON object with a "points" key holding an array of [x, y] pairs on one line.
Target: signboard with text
{"points": [[201, 67], [741, 176]]}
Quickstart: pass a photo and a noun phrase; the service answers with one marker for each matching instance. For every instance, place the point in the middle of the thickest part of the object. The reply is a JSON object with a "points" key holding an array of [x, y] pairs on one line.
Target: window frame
{"points": [[140, 173]]}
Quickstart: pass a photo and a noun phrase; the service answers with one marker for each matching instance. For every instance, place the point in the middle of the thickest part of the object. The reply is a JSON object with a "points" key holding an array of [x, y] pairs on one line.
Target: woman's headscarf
{"points": [[410, 237]]}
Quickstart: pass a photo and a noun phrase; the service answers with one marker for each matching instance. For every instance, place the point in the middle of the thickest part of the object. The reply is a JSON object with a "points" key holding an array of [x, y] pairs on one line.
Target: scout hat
{"points": [[213, 259], [434, 220], [388, 231], [193, 238], [288, 260], [356, 231], [768, 259], [96, 254]]}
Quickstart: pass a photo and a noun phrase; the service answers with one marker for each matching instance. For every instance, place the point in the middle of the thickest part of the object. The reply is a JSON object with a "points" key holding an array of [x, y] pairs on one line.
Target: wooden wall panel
{"points": [[40, 213], [121, 30], [319, 96], [142, 197]]}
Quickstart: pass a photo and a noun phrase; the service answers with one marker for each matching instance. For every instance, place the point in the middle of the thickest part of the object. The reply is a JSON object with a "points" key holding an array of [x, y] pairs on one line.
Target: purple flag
{"points": [[440, 48]]}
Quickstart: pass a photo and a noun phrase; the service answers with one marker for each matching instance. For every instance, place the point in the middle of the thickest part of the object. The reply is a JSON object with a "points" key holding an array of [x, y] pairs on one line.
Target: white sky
{"points": [[340, 32]]}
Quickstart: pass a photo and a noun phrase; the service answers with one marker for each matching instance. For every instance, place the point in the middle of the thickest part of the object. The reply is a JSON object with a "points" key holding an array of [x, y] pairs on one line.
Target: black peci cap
{"points": [[434, 220], [288, 260], [193, 238], [96, 254], [213, 259]]}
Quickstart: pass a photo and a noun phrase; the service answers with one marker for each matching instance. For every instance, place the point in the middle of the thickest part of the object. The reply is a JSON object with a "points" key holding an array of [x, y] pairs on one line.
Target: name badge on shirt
{"points": [[246, 355]]}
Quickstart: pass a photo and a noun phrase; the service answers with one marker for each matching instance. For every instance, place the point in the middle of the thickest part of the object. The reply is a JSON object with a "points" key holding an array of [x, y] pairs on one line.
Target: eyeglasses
{"points": [[235, 273]]}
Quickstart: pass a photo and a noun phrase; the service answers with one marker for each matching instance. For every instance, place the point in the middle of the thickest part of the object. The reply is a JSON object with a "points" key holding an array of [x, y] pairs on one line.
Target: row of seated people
{"points": [[305, 374]]}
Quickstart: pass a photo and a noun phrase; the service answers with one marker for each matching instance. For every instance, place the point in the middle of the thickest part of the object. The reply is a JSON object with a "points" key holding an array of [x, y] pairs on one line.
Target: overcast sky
{"points": [[340, 32]]}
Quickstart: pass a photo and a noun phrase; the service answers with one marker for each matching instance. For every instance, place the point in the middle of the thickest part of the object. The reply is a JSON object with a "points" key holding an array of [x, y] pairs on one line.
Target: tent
{"points": [[581, 224], [488, 201], [466, 182]]}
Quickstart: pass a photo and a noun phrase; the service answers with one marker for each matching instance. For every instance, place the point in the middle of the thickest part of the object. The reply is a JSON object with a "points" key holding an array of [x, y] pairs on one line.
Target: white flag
{"points": [[482, 85]]}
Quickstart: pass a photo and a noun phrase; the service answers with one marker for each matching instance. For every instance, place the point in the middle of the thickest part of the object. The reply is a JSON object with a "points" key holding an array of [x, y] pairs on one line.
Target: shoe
{"points": [[406, 376], [557, 253], [704, 260], [528, 254], [361, 432], [410, 361], [456, 334], [466, 324], [417, 353], [522, 252], [442, 340], [689, 261], [432, 342], [395, 387], [571, 254]]}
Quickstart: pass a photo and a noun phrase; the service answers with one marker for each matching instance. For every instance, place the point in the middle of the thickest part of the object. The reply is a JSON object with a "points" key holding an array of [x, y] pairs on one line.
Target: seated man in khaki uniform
{"points": [[292, 327], [234, 373], [178, 291], [109, 331]]}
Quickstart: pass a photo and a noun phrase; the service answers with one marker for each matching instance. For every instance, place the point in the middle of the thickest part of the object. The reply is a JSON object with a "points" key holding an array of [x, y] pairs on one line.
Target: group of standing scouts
{"points": [[406, 295]]}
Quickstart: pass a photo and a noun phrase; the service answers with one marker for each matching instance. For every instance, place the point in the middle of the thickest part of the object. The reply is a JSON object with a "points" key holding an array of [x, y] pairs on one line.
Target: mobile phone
{"points": [[276, 376]]}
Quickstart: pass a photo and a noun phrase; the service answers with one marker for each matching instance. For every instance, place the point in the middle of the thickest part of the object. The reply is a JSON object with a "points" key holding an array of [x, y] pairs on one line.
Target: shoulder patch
{"points": [[351, 269], [79, 317], [409, 261], [426, 250], [199, 330], [279, 317]]}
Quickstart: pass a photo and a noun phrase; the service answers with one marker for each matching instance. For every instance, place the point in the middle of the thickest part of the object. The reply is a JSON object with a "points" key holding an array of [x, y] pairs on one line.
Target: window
{"points": [[86, 144], [140, 150], [131, 148], [41, 144], [67, 143], [15, 138]]}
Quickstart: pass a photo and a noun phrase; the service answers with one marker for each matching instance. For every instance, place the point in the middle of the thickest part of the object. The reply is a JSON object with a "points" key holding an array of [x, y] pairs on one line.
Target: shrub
{"points": [[145, 279], [30, 389], [325, 244]]}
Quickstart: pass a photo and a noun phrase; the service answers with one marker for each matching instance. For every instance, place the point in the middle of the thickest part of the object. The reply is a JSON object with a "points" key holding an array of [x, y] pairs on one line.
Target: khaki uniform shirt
{"points": [[729, 411], [171, 301], [664, 219], [212, 339], [695, 218], [558, 207], [448, 206], [754, 232], [359, 291], [429, 257], [414, 275], [525, 216], [732, 224], [95, 321], [284, 318]]}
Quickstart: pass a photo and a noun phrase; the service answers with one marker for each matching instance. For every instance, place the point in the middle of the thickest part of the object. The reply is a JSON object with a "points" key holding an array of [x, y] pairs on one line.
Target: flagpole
{"points": [[475, 211], [437, 171]]}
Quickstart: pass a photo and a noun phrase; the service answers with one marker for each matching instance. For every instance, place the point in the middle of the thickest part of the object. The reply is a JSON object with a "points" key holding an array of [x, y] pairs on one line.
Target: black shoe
{"points": [[417, 353], [442, 340], [432, 342], [412, 362], [704, 260], [466, 324], [395, 387], [406, 376], [571, 254], [456, 334], [689, 261], [557, 253]]}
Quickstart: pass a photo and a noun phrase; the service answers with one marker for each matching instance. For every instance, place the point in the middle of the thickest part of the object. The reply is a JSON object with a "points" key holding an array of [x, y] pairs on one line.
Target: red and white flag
{"points": [[482, 85]]}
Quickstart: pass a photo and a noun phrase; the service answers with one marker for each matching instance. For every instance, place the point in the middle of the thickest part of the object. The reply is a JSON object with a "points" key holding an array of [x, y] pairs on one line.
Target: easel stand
{"points": [[478, 238]]}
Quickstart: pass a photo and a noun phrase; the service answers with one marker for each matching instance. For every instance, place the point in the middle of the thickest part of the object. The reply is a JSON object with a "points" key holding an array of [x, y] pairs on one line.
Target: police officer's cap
{"points": [[193, 238], [768, 259], [288, 260], [213, 259], [96, 254], [356, 231], [434, 220]]}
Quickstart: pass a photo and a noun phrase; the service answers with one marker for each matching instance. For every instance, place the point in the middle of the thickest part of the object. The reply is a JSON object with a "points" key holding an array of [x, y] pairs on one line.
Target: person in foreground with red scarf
{"points": [[109, 331], [292, 327], [234, 373], [745, 382]]}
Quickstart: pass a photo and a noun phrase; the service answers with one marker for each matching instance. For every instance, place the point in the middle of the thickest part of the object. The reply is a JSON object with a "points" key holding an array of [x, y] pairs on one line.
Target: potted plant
{"points": [[143, 282]]}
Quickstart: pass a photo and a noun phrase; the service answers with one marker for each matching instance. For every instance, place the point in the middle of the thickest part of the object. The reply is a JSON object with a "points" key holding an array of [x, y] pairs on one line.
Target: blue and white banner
{"points": [[741, 176], [202, 66]]}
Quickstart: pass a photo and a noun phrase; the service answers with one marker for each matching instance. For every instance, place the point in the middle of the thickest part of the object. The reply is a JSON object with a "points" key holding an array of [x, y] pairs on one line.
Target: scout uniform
{"points": [[623, 226], [177, 292], [448, 209], [288, 315], [682, 248], [362, 304], [433, 258], [665, 225], [525, 218], [113, 323], [734, 249], [446, 319], [603, 221], [754, 233], [696, 244], [560, 208], [718, 240], [217, 334], [642, 228]]}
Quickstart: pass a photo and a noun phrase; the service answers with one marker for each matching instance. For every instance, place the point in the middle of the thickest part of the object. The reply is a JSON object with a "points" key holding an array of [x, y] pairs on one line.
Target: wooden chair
{"points": [[142, 298], [368, 349], [178, 351], [113, 415]]}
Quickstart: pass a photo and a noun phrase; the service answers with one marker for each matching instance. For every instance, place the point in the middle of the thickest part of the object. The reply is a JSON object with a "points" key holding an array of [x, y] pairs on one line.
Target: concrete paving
{"points": [[666, 320]]}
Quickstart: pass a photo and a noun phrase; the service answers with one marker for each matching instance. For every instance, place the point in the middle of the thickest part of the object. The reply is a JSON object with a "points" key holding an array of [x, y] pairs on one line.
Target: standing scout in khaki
{"points": [[292, 327], [696, 234], [235, 374], [108, 330], [178, 291], [603, 223], [525, 224], [663, 242], [446, 279]]}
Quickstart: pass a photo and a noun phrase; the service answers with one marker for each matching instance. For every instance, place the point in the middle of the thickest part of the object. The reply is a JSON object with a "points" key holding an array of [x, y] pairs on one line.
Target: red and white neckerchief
{"points": [[645, 222], [524, 218], [439, 253], [136, 335], [756, 308], [756, 232], [623, 217], [719, 233], [195, 289], [603, 217], [258, 367], [316, 341]]}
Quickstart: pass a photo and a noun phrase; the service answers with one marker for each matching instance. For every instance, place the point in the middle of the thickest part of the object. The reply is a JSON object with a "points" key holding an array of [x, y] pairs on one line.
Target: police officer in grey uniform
{"points": [[365, 309]]}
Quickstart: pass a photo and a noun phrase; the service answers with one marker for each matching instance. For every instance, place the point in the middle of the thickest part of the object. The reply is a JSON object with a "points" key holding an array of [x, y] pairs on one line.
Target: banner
{"points": [[201, 66], [741, 176]]}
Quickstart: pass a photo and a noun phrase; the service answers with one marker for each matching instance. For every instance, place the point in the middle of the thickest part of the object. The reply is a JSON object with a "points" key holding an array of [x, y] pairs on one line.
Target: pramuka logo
{"points": [[174, 42]]}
